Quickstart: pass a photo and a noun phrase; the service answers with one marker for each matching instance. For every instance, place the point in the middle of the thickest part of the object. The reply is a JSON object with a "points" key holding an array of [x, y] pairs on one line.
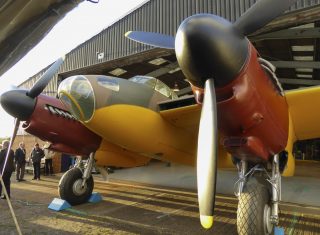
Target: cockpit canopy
{"points": [[155, 84], [76, 93]]}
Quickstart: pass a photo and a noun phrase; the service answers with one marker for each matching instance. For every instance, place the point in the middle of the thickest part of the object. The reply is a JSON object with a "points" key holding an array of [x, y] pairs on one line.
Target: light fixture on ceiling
{"points": [[304, 70], [118, 72], [158, 61], [304, 75], [303, 48], [174, 70], [303, 58]]}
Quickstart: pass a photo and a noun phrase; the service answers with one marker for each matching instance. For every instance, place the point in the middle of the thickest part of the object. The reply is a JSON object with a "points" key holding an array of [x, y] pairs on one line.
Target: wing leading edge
{"points": [[185, 115], [303, 107]]}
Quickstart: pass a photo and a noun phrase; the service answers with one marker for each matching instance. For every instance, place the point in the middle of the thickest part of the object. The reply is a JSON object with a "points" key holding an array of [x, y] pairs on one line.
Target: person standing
{"points": [[36, 155], [20, 161], [48, 155], [9, 168]]}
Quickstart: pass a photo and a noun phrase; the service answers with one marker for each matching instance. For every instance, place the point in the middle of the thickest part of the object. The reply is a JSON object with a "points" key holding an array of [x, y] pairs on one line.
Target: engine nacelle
{"points": [[52, 122], [252, 113]]}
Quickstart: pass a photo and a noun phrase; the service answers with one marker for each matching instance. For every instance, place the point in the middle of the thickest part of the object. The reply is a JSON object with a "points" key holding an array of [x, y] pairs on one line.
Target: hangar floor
{"points": [[135, 208]]}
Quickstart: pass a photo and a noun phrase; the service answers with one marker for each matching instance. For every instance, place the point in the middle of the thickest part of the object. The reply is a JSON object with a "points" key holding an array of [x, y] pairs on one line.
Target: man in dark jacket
{"points": [[9, 167], [36, 155], [20, 161]]}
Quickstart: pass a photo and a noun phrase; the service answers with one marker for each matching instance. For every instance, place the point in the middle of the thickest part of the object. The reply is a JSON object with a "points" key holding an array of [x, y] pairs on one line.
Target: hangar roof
{"points": [[290, 42]]}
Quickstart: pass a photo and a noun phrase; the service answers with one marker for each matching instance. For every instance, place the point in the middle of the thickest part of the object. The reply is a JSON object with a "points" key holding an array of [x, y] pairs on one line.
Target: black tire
{"points": [[254, 209], [70, 190]]}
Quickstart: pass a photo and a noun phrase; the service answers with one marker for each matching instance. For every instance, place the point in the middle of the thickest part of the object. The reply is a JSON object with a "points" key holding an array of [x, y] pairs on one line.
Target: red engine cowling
{"points": [[50, 121], [252, 114]]}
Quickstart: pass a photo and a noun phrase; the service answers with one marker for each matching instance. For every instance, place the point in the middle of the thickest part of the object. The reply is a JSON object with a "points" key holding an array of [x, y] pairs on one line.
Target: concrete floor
{"points": [[301, 189], [155, 199]]}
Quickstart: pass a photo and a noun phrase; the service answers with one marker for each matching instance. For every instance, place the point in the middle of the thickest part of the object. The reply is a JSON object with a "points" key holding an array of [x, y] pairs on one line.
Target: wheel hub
{"points": [[79, 189]]}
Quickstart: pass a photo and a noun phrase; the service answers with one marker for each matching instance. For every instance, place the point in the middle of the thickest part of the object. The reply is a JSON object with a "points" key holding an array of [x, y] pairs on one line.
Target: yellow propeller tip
{"points": [[206, 221], [127, 33]]}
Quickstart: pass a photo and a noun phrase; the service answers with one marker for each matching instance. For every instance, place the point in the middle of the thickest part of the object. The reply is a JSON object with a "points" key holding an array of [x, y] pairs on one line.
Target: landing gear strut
{"points": [[76, 185], [259, 195]]}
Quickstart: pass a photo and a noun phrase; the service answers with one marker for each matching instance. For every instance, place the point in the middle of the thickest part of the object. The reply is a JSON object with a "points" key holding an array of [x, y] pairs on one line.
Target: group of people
{"points": [[17, 161]]}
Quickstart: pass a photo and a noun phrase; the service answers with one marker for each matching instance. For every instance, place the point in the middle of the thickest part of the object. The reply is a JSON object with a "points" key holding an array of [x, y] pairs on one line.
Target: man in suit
{"points": [[20, 161], [6, 169], [36, 155]]}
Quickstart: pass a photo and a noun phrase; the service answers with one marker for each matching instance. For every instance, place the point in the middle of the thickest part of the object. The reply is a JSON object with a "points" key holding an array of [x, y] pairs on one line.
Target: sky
{"points": [[79, 25]]}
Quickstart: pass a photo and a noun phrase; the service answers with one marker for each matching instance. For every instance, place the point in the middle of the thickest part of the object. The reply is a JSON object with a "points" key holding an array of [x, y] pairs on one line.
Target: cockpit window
{"points": [[77, 94], [155, 84], [149, 81], [174, 95], [108, 82], [73, 109], [163, 88]]}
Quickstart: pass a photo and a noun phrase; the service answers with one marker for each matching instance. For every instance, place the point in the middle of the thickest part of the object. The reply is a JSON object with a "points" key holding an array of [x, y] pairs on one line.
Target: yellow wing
{"points": [[188, 118], [304, 105], [304, 120]]}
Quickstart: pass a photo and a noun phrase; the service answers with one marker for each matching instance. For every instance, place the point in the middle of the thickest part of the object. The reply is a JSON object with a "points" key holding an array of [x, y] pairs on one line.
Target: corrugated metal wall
{"points": [[163, 16]]}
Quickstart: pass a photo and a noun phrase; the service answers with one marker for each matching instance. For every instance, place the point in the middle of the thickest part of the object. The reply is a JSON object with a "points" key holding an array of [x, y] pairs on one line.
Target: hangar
{"points": [[290, 42]]}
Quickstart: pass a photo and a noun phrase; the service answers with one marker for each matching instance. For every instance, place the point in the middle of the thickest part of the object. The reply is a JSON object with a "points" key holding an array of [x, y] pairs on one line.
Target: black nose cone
{"points": [[18, 104], [207, 46]]}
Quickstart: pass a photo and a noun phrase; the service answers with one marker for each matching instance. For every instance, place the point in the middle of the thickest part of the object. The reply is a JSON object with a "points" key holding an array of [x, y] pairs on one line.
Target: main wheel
{"points": [[71, 189], [253, 215]]}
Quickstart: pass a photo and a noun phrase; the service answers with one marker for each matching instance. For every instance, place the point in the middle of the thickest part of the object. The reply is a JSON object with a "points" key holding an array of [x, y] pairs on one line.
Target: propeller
{"points": [[20, 103], [45, 79], [211, 52], [153, 39], [257, 16], [260, 14], [207, 155]]}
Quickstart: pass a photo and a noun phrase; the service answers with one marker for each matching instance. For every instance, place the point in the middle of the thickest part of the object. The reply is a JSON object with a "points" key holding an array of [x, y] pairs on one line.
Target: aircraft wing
{"points": [[183, 113], [24, 23], [304, 107]]}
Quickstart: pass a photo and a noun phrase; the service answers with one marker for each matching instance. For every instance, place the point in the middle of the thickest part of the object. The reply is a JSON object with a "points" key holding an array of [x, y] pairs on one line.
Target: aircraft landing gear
{"points": [[76, 185], [259, 195]]}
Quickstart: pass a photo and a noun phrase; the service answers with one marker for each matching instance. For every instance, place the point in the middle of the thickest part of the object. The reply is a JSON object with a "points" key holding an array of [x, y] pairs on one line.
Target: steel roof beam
{"points": [[308, 82], [298, 33]]}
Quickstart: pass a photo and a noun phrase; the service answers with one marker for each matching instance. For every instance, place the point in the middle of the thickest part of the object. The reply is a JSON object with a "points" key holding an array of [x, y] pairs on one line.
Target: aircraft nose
{"points": [[18, 104], [207, 46]]}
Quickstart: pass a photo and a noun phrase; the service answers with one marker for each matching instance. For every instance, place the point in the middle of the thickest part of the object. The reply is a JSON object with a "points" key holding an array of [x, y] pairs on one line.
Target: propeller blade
{"points": [[14, 133], [260, 14], [152, 39], [39, 86], [207, 155]]}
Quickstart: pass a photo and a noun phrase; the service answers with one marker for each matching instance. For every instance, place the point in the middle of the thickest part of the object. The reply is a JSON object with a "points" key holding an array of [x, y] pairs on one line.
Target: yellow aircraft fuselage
{"points": [[135, 130]]}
